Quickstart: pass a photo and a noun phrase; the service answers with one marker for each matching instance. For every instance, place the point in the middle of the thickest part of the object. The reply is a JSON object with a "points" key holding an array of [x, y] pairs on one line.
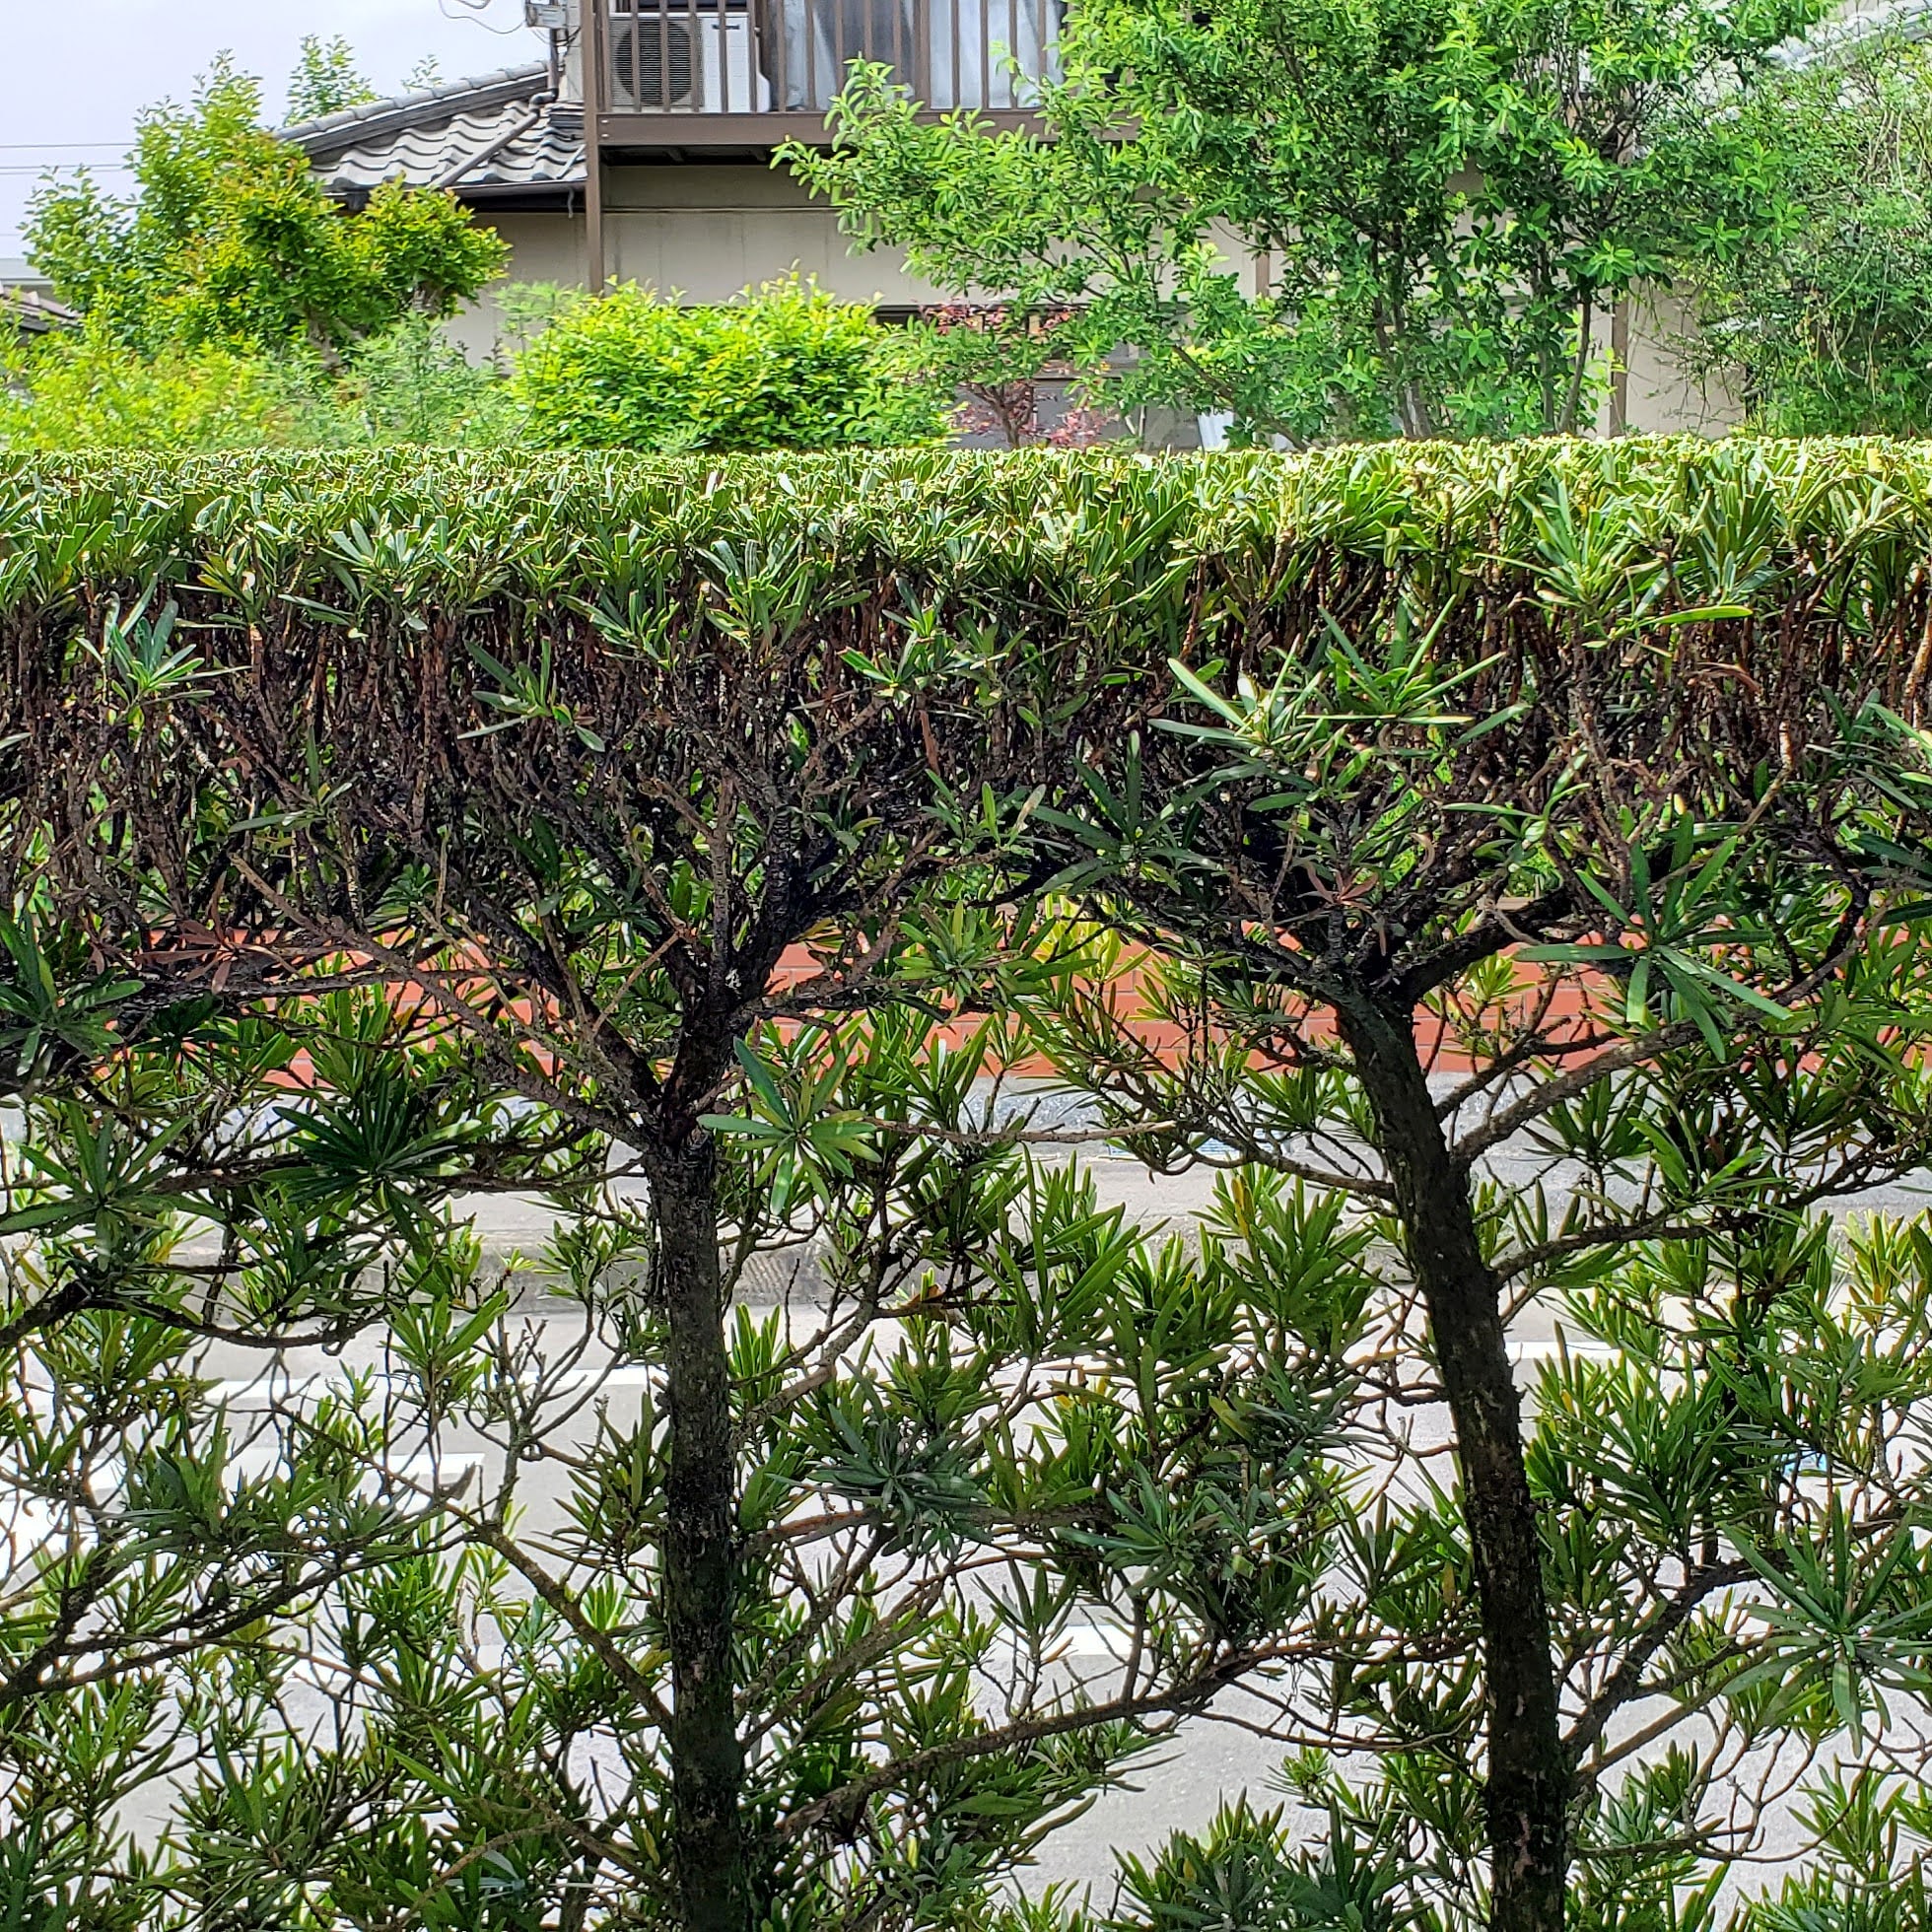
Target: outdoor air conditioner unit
{"points": [[685, 62]]}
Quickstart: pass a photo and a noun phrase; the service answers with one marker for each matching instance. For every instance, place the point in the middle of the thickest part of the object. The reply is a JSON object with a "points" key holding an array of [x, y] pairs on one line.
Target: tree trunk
{"points": [[1528, 1784], [1580, 367], [700, 1550]]}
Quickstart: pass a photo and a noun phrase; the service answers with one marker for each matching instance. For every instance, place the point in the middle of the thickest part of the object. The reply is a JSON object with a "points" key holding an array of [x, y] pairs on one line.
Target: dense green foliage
{"points": [[1448, 199], [409, 384], [229, 239], [786, 367], [1831, 329], [1524, 855], [326, 80], [789, 368], [91, 391]]}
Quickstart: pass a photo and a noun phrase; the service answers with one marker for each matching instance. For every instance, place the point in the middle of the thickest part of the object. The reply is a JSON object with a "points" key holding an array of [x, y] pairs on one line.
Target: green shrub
{"points": [[91, 391], [413, 385], [1830, 332], [789, 367], [408, 386]]}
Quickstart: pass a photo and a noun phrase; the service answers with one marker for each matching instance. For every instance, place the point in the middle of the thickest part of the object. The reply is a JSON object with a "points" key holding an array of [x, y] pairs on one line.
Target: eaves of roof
{"points": [[501, 135], [373, 118], [28, 312]]}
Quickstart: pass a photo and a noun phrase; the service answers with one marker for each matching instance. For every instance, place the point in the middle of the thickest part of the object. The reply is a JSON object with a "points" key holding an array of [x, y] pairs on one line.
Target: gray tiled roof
{"points": [[30, 312], [496, 134]]}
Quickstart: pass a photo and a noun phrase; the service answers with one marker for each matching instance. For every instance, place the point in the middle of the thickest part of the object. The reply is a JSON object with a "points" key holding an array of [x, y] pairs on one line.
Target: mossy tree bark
{"points": [[1528, 1785], [700, 1557]]}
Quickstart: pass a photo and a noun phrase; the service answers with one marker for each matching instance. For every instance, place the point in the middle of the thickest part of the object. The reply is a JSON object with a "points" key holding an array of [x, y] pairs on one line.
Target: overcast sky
{"points": [[75, 72]]}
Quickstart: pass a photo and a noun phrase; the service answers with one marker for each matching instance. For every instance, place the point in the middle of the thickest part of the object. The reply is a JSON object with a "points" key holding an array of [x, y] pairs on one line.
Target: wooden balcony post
{"points": [[596, 264]]}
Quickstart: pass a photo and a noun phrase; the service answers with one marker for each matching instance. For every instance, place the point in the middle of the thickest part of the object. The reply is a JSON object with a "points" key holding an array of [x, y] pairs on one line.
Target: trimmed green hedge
{"points": [[1806, 560], [1731, 522], [587, 748]]}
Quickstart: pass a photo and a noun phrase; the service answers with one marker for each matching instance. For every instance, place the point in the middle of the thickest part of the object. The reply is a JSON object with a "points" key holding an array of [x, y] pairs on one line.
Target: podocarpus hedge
{"points": [[581, 749]]}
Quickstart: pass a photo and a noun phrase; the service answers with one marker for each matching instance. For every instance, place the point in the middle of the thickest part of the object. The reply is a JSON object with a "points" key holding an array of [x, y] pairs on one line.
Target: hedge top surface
{"points": [[1690, 599], [1728, 518]]}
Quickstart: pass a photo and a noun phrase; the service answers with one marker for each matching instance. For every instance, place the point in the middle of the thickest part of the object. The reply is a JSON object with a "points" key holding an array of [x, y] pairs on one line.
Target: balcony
{"points": [[722, 76]]}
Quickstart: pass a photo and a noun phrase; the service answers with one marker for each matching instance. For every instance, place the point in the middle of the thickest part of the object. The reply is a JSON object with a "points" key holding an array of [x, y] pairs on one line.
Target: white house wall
{"points": [[543, 247], [704, 232], [1663, 400]]}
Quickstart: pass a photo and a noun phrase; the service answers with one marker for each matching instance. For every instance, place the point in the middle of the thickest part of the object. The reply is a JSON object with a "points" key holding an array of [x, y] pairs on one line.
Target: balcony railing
{"points": [[686, 63]]}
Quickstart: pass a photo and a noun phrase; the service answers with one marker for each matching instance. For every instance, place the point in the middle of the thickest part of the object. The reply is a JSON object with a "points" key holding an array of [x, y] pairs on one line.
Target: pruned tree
{"points": [[1564, 918], [640, 853]]}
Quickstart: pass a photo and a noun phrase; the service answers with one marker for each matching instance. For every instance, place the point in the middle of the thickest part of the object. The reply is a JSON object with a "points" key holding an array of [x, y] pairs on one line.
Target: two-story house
{"points": [[639, 147]]}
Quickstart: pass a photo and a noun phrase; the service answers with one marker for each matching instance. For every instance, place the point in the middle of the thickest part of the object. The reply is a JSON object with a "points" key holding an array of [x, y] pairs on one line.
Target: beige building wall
{"points": [[543, 247], [705, 231], [1663, 398], [701, 231]]}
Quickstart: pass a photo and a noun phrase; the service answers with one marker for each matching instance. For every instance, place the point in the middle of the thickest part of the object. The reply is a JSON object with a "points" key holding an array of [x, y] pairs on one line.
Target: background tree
{"points": [[229, 239], [326, 80], [1445, 200], [1827, 333]]}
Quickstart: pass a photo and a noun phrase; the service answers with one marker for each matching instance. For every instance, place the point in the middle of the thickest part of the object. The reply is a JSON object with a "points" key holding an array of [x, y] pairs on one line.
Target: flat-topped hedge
{"points": [[1741, 518], [1825, 543], [1685, 593]]}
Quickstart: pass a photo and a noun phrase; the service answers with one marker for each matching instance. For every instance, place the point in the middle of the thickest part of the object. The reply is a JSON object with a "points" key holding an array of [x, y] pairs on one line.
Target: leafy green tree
{"points": [[326, 80], [1827, 333], [230, 240], [1444, 200], [777, 1577], [789, 367]]}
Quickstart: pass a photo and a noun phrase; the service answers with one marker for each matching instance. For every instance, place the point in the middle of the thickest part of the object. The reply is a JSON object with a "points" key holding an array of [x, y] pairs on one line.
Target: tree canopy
{"points": [[326, 79], [229, 239], [1440, 201], [1830, 332]]}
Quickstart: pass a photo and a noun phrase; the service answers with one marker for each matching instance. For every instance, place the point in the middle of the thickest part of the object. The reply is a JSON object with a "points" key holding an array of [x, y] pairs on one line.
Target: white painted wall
{"points": [[543, 247], [701, 231], [1662, 399]]}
